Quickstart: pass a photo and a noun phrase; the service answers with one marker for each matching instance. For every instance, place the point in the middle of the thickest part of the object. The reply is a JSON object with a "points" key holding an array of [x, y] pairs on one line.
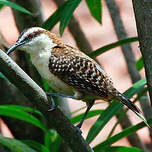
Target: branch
{"points": [[38, 97], [143, 16], [11, 95], [131, 65]]}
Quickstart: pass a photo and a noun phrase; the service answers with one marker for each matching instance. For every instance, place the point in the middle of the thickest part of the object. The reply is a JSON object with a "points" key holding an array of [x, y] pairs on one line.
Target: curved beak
{"points": [[13, 47]]}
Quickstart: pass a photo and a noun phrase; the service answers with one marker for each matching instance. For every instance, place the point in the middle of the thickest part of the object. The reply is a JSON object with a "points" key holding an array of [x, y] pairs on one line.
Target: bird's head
{"points": [[33, 39]]}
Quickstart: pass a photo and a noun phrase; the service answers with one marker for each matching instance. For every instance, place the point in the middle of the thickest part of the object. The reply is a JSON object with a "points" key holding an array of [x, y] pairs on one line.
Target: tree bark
{"points": [[11, 95], [37, 96], [131, 66], [143, 16]]}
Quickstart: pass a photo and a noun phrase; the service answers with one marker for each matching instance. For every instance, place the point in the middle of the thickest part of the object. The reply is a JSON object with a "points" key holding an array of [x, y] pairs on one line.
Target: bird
{"points": [[69, 71]]}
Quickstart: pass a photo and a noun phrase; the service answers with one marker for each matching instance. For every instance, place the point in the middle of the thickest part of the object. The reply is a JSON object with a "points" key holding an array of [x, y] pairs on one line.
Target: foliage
{"points": [[52, 140], [14, 6]]}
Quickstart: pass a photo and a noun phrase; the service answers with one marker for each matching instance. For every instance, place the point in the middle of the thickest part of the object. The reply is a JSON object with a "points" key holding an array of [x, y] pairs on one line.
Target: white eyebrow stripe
{"points": [[26, 32]]}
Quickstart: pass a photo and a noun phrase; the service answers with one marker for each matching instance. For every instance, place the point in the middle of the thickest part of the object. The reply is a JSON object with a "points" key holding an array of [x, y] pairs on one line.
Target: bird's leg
{"points": [[58, 95], [68, 96], [52, 95], [85, 114]]}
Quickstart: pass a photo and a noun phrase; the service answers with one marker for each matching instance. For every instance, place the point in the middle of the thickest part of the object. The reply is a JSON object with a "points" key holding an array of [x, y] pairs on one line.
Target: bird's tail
{"points": [[131, 106]]}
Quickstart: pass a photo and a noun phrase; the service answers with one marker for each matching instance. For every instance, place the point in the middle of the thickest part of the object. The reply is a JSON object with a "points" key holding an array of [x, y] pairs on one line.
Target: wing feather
{"points": [[79, 71]]}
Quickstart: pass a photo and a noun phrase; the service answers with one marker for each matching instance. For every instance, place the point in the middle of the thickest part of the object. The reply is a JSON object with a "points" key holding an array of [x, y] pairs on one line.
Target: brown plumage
{"points": [[68, 70], [79, 71]]}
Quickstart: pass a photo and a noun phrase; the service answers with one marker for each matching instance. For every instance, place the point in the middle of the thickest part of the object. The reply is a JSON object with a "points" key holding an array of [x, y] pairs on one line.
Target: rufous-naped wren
{"points": [[68, 70]]}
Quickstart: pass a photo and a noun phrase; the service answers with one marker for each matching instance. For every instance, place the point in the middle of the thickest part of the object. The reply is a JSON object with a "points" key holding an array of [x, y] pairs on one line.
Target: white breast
{"points": [[41, 62]]}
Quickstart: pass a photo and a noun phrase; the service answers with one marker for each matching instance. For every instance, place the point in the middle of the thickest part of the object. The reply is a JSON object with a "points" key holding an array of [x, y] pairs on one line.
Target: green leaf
{"points": [[54, 18], [136, 88], [113, 108], [107, 114], [90, 114], [121, 117], [67, 13], [52, 140], [35, 145], [122, 134], [1, 5], [45, 84], [122, 149], [15, 6], [111, 46], [25, 109], [10, 111], [15, 145], [3, 77], [95, 7], [49, 139], [62, 14], [139, 64], [57, 143]]}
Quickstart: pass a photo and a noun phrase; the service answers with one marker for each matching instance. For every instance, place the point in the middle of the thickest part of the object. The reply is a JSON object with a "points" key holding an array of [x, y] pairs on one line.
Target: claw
{"points": [[52, 106]]}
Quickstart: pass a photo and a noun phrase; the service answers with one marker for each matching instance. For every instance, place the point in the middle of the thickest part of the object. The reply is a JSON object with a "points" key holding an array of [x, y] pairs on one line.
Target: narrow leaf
{"points": [[16, 113], [95, 7], [15, 6], [113, 108], [15, 145], [121, 117], [111, 46], [49, 139], [3, 77], [35, 145], [57, 143], [67, 13], [122, 149], [25, 109], [1, 5], [90, 114], [136, 88], [139, 64], [54, 18], [62, 14], [122, 134], [52, 140]]}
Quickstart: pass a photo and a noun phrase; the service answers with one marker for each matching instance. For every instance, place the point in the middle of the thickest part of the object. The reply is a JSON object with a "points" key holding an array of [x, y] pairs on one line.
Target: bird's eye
{"points": [[30, 36]]}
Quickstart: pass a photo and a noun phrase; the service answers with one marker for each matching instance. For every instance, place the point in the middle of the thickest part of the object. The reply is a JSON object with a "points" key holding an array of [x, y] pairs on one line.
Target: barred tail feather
{"points": [[133, 107]]}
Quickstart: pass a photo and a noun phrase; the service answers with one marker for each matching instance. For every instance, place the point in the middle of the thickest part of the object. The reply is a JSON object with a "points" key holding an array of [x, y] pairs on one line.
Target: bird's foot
{"points": [[53, 105], [79, 124]]}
